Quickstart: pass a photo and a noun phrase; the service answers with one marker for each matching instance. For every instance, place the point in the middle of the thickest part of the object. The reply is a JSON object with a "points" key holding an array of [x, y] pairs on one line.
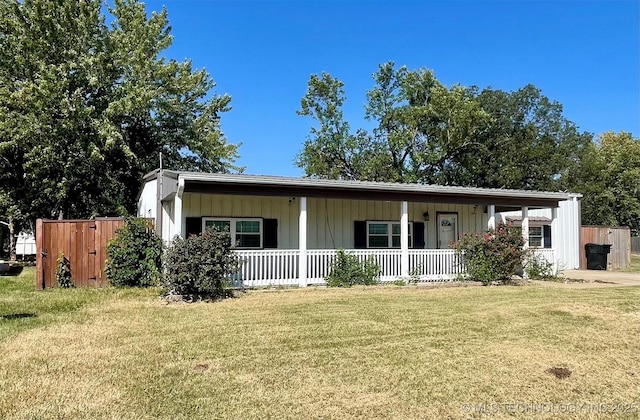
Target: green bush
{"points": [[496, 255], [347, 270], [199, 266], [538, 268], [134, 256]]}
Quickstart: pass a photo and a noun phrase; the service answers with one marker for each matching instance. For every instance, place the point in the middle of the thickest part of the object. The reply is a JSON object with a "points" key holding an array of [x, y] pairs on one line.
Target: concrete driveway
{"points": [[603, 277]]}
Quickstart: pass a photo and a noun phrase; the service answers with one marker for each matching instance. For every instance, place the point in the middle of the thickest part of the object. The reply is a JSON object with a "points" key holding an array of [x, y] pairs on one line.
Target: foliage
{"points": [[134, 256], [538, 268], [86, 107], [200, 265], [496, 255], [347, 271], [428, 133], [609, 178], [63, 272]]}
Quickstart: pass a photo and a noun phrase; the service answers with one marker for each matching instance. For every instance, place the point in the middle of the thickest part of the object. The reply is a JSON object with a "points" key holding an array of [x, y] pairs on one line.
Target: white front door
{"points": [[447, 229]]}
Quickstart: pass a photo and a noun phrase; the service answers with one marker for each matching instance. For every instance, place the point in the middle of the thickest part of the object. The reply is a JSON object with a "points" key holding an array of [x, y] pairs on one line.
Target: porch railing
{"points": [[319, 262], [276, 267], [279, 267], [434, 264]]}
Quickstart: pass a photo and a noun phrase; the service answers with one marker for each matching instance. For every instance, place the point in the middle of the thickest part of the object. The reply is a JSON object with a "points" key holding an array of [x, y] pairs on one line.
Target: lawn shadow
{"points": [[18, 315]]}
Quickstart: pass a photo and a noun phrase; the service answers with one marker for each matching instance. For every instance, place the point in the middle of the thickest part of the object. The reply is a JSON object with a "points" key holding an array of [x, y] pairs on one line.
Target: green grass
{"points": [[22, 308], [378, 352]]}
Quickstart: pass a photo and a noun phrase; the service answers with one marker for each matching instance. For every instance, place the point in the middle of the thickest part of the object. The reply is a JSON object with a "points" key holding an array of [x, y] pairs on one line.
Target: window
{"points": [[386, 235], [535, 236], [245, 233]]}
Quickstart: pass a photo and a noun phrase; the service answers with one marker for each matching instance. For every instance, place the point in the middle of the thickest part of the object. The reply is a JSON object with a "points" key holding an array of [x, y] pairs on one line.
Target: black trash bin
{"points": [[597, 256]]}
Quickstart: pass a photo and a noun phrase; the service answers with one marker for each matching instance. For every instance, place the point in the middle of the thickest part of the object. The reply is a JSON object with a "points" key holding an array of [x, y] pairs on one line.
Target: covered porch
{"points": [[287, 230]]}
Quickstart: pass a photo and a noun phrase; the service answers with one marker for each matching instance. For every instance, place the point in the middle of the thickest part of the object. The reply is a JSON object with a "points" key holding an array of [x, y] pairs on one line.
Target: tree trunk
{"points": [[12, 240]]}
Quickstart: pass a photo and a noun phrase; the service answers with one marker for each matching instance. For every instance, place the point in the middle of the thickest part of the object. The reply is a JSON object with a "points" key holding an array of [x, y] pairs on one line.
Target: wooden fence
{"points": [[635, 245], [83, 243], [618, 237]]}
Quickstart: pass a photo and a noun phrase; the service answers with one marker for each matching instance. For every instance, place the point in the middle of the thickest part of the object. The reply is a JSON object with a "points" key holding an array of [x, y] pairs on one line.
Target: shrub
{"points": [[134, 256], [496, 255], [199, 266], [538, 268], [63, 272], [347, 270]]}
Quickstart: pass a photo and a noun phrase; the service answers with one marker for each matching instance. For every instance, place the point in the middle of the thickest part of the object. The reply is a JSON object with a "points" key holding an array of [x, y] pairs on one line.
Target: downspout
{"points": [[159, 194]]}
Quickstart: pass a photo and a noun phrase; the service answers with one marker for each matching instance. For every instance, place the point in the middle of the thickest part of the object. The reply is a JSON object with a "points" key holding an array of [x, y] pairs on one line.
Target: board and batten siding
{"points": [[329, 221]]}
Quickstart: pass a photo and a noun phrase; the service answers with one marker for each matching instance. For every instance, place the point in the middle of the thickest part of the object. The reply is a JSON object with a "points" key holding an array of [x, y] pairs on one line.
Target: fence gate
{"points": [[82, 242], [618, 237]]}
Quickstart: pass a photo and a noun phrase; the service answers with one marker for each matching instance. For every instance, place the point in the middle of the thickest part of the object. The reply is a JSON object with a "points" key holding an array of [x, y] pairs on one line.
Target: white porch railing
{"points": [[279, 267], [319, 262], [274, 267], [434, 264]]}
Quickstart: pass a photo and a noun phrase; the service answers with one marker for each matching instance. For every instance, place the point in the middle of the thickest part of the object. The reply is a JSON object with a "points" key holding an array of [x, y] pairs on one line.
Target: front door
{"points": [[447, 229]]}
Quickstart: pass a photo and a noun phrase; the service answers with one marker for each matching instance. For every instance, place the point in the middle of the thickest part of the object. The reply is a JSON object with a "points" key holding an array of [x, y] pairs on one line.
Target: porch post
{"points": [[492, 216], [525, 226], [404, 239], [177, 209], [302, 243], [555, 237]]}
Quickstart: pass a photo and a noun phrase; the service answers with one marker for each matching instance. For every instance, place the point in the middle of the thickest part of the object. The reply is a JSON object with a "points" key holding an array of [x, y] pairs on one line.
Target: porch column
{"points": [[555, 237], [302, 243], [404, 239], [177, 209], [492, 216], [525, 226]]}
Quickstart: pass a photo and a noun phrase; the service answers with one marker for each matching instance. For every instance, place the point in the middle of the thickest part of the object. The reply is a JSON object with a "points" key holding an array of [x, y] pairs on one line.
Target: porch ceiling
{"points": [[240, 184]]}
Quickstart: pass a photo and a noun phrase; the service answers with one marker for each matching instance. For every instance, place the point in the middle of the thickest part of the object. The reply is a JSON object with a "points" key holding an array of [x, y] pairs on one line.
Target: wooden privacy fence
{"points": [[618, 237], [635, 245], [83, 243]]}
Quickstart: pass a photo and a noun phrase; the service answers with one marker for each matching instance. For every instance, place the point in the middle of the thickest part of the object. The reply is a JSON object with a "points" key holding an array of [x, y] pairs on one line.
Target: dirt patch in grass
{"points": [[559, 372]]}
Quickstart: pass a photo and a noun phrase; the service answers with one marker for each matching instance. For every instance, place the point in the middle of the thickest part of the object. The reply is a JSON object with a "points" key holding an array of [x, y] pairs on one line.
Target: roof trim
{"points": [[217, 183]]}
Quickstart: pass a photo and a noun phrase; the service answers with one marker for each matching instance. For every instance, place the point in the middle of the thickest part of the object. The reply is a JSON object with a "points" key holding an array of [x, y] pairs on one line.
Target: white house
{"points": [[287, 230]]}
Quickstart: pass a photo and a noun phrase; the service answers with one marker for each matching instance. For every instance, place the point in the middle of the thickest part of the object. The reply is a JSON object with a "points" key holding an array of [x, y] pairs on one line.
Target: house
{"points": [[287, 230]]}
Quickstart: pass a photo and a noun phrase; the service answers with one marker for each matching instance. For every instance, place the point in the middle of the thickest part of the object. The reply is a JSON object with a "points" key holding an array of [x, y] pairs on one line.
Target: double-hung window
{"points": [[245, 232], [386, 235], [535, 236]]}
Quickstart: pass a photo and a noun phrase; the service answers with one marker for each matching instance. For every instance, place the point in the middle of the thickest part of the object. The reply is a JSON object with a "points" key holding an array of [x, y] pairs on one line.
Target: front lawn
{"points": [[379, 352]]}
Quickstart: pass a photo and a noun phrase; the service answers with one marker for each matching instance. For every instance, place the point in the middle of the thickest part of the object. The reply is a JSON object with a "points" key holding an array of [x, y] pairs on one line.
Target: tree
{"points": [[428, 133], [86, 107], [608, 176]]}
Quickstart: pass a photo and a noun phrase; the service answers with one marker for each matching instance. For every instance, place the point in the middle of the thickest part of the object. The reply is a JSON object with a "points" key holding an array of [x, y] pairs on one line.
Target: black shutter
{"points": [[546, 232], [359, 234], [418, 235], [270, 239], [194, 226]]}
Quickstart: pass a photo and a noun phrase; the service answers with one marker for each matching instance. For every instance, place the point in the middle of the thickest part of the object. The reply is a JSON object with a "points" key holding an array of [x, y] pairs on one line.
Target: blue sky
{"points": [[583, 54]]}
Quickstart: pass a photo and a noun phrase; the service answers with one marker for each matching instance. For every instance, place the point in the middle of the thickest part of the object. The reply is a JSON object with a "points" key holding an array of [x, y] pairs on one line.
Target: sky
{"points": [[583, 54]]}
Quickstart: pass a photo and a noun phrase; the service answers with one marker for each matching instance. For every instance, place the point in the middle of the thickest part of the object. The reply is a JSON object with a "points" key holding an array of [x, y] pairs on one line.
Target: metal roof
{"points": [[279, 185]]}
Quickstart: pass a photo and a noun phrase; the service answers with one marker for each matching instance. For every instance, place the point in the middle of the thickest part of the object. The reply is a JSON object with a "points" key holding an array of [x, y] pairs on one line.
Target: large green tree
{"points": [[609, 178], [428, 133], [86, 107]]}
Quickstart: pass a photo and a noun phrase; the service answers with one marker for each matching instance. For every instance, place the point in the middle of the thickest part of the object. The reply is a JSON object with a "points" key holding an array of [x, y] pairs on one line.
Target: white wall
{"points": [[147, 203], [568, 250], [330, 221]]}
